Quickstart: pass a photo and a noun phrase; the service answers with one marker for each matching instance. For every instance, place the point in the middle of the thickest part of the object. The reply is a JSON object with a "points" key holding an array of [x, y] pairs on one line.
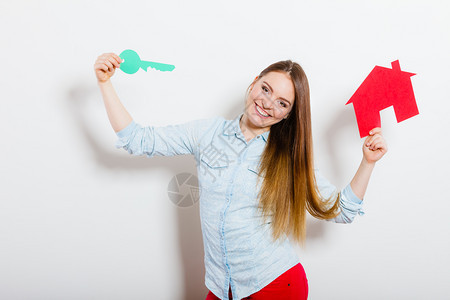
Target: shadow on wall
{"points": [[189, 229], [344, 120]]}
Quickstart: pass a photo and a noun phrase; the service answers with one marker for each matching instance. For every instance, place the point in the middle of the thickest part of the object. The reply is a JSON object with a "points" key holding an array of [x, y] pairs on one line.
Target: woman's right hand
{"points": [[106, 65]]}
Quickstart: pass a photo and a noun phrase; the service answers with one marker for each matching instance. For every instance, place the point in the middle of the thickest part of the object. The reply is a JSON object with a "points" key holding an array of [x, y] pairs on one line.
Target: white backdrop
{"points": [[80, 219]]}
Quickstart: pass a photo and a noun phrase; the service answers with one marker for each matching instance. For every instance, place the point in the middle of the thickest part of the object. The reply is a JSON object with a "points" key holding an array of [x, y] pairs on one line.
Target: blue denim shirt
{"points": [[238, 246]]}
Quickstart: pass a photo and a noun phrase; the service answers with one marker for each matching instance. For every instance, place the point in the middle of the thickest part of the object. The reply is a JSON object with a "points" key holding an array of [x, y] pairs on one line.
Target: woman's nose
{"points": [[267, 102]]}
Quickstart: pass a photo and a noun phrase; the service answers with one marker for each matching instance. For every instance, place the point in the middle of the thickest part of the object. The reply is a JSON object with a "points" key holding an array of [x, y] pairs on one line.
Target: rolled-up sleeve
{"points": [[167, 140], [349, 204]]}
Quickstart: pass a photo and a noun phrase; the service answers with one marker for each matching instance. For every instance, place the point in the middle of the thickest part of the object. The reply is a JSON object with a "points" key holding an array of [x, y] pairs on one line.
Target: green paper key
{"points": [[132, 63]]}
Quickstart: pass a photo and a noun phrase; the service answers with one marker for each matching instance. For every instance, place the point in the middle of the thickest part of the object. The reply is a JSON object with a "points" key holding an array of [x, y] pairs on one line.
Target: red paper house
{"points": [[383, 87]]}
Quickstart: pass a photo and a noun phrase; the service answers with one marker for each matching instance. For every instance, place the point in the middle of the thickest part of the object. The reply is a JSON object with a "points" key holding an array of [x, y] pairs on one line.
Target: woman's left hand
{"points": [[374, 146]]}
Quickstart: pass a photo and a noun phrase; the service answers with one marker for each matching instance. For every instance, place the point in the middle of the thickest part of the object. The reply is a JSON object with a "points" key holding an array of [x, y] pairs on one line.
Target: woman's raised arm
{"points": [[373, 149], [104, 67]]}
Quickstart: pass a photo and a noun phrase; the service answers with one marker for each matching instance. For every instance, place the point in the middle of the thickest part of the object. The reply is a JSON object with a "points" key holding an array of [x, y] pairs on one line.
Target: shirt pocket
{"points": [[212, 171], [253, 167], [253, 181]]}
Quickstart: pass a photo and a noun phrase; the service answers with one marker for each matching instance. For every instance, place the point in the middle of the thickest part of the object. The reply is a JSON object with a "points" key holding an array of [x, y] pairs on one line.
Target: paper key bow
{"points": [[132, 63], [383, 87]]}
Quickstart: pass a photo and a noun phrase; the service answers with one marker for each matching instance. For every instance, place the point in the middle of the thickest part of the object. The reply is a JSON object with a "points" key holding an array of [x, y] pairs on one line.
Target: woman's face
{"points": [[270, 100]]}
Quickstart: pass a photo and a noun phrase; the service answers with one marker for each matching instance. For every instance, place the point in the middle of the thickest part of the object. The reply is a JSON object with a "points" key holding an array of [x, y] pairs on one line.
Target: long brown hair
{"points": [[289, 186]]}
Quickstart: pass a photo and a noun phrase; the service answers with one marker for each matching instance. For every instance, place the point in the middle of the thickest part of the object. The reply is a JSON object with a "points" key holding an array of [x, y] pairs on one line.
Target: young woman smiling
{"points": [[256, 178]]}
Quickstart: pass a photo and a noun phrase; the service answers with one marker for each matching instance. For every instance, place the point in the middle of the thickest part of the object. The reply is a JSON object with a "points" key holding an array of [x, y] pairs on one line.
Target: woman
{"points": [[256, 180]]}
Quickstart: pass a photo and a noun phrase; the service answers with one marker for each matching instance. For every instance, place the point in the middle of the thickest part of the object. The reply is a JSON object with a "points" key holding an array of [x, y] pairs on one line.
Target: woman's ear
{"points": [[253, 83]]}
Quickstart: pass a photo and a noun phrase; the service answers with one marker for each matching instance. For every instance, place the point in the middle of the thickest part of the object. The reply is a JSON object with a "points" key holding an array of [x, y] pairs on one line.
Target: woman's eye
{"points": [[283, 104], [265, 89]]}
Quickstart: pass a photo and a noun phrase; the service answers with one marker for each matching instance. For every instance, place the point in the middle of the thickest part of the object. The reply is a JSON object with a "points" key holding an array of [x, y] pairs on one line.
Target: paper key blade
{"points": [[157, 66]]}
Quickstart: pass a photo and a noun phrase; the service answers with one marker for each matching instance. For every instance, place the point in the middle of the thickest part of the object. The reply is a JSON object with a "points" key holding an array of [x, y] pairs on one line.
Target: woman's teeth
{"points": [[260, 112]]}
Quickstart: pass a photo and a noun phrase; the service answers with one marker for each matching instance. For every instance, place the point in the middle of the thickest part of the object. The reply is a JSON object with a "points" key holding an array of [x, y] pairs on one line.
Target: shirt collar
{"points": [[233, 128]]}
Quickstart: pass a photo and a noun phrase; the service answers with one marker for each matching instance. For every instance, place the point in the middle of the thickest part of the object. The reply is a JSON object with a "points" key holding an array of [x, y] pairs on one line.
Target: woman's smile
{"points": [[262, 113]]}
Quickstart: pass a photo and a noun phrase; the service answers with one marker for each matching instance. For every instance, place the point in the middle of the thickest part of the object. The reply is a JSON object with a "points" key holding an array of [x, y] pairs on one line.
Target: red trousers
{"points": [[290, 285]]}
